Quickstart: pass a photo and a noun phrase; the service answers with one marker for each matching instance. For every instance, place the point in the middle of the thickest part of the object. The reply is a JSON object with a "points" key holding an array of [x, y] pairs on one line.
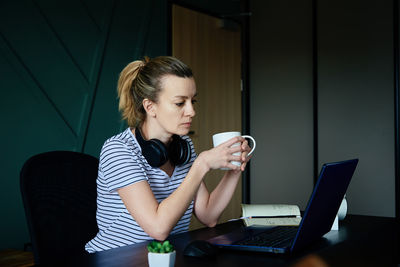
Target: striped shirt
{"points": [[122, 164]]}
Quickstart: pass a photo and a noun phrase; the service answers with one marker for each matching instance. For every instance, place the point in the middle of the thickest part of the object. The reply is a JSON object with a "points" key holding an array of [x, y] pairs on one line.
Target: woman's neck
{"points": [[150, 131]]}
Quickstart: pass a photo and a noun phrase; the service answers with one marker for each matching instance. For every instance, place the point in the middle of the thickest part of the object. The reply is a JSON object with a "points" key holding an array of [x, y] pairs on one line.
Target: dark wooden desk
{"points": [[360, 241], [16, 258]]}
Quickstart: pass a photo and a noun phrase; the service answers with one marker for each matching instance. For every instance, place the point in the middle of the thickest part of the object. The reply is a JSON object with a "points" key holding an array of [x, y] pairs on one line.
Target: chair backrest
{"points": [[59, 194]]}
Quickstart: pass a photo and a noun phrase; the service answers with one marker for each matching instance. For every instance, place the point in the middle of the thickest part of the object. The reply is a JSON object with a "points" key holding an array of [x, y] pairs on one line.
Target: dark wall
{"points": [[323, 72], [281, 102], [59, 65], [356, 98]]}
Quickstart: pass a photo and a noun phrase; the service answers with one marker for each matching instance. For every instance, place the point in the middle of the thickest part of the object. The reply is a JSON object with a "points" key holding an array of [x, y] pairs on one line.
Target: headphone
{"points": [[157, 153]]}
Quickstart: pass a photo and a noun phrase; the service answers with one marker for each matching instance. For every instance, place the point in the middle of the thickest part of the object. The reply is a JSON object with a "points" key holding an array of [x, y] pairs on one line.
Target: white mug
{"points": [[220, 138]]}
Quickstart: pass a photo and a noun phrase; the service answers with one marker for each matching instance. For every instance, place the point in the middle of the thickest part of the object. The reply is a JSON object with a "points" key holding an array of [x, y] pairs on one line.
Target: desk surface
{"points": [[360, 241]]}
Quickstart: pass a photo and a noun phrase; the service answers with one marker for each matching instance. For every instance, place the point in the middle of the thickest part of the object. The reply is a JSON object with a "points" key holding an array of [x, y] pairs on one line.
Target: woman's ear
{"points": [[149, 107]]}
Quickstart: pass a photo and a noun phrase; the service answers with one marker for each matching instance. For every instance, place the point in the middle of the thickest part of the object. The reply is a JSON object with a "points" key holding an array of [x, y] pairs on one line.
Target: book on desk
{"points": [[271, 214]]}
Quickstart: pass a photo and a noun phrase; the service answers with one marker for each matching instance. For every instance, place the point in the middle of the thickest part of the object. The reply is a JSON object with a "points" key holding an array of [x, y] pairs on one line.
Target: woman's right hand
{"points": [[222, 155]]}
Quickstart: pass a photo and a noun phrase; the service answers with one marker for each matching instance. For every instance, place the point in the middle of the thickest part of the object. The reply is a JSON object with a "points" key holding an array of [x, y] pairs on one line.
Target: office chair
{"points": [[59, 195]]}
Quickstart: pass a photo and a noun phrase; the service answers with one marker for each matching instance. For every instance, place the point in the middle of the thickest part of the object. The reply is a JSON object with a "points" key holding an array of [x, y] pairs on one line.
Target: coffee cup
{"points": [[220, 138]]}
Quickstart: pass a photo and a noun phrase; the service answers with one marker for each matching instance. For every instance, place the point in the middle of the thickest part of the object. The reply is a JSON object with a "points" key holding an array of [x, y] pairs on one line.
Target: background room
{"points": [[318, 83]]}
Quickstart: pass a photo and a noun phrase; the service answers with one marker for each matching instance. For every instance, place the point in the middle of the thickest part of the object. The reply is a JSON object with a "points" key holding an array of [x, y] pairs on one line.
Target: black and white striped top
{"points": [[122, 164]]}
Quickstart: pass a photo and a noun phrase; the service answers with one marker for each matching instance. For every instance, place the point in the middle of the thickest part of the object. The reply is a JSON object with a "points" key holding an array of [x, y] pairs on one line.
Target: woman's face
{"points": [[174, 109]]}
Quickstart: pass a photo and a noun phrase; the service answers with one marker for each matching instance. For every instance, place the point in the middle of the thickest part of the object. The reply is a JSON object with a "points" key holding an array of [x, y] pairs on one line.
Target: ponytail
{"points": [[125, 92]]}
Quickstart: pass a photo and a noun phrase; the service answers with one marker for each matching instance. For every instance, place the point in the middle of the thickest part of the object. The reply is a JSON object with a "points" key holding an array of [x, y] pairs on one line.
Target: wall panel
{"points": [[281, 101], [59, 65], [356, 106]]}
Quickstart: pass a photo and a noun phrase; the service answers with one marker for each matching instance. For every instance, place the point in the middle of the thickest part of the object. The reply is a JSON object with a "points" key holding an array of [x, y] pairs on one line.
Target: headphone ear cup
{"points": [[179, 151], [155, 152], [187, 155]]}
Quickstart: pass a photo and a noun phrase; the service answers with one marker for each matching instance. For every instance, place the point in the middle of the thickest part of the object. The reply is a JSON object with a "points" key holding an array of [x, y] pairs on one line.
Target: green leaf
{"points": [[160, 247], [152, 246]]}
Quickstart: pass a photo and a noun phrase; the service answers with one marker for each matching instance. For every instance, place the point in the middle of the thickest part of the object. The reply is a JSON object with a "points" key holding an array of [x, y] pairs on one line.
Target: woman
{"points": [[150, 179]]}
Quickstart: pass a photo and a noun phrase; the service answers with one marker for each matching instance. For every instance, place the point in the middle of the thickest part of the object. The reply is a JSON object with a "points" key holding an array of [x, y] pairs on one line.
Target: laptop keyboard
{"points": [[275, 237]]}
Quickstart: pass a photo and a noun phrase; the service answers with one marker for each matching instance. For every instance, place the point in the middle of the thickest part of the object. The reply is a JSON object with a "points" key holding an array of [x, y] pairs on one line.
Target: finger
{"points": [[234, 149], [233, 140], [245, 144], [243, 166], [233, 166], [246, 148], [235, 158], [244, 156], [248, 157]]}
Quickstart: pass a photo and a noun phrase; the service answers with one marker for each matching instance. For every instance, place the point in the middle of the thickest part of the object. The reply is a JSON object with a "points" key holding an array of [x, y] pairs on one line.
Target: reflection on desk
{"points": [[16, 258], [361, 241]]}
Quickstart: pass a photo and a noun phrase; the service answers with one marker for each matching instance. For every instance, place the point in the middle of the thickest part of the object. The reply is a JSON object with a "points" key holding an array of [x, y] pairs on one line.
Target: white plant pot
{"points": [[162, 259]]}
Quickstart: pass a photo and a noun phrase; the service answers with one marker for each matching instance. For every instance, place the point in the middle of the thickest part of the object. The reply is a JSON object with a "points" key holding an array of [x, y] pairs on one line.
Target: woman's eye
{"points": [[180, 104]]}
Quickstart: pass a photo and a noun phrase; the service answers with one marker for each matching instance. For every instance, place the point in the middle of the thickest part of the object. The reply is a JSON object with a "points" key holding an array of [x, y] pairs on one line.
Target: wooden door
{"points": [[214, 54]]}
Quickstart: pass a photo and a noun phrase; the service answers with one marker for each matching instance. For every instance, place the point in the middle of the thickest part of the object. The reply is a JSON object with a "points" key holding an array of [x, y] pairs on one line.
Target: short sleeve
{"points": [[120, 166]]}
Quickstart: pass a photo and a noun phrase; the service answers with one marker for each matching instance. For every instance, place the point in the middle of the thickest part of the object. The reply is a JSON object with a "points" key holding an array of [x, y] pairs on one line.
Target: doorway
{"points": [[213, 51]]}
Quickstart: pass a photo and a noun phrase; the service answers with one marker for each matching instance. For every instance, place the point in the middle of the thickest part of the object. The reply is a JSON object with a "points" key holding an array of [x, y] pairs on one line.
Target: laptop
{"points": [[320, 213]]}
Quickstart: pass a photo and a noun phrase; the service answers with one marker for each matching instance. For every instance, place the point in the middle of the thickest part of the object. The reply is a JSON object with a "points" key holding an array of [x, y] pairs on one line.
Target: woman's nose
{"points": [[190, 110]]}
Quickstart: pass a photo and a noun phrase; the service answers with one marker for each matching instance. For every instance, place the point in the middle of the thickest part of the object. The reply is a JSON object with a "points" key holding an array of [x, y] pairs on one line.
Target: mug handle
{"points": [[254, 143]]}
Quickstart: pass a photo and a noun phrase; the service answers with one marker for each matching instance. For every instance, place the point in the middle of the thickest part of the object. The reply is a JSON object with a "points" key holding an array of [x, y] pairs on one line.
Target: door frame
{"points": [[242, 19]]}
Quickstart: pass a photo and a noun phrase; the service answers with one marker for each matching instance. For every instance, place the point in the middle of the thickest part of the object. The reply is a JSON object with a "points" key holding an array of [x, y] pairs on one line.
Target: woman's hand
{"points": [[222, 155], [244, 155], [208, 207]]}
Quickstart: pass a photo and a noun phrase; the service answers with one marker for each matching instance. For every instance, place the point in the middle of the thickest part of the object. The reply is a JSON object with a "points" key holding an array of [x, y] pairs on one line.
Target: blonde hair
{"points": [[141, 79]]}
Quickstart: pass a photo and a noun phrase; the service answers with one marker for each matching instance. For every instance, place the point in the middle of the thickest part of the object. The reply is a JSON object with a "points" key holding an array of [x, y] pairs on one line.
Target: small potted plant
{"points": [[161, 254]]}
